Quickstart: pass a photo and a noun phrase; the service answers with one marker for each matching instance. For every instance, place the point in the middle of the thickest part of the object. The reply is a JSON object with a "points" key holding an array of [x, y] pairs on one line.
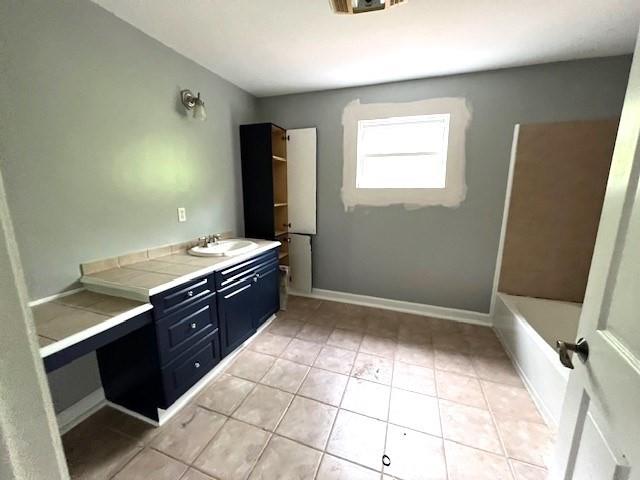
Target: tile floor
{"points": [[323, 393]]}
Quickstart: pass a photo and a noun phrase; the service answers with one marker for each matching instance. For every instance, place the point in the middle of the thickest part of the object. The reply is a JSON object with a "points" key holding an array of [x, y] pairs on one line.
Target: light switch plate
{"points": [[182, 214]]}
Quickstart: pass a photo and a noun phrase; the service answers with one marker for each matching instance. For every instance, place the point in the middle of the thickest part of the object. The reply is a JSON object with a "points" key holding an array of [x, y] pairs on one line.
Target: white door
{"points": [[599, 432], [301, 180]]}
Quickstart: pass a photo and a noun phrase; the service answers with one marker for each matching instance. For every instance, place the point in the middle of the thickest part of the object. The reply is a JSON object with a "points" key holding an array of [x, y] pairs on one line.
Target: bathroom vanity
{"points": [[185, 315]]}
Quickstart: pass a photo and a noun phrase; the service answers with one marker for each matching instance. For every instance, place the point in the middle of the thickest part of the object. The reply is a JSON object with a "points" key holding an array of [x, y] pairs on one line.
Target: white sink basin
{"points": [[224, 248]]}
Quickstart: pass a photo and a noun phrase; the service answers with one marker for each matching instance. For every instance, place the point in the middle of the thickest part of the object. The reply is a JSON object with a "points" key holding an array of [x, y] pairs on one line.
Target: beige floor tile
{"points": [[355, 323], [263, 407], [335, 359], [120, 422], [303, 303], [383, 326], [233, 452], [416, 411], [333, 468], [414, 455], [347, 339], [507, 402], [497, 369], [524, 471], [152, 464], [455, 362], [414, 378], [460, 389], [287, 327], [322, 318], [373, 368], [441, 325], [302, 351], [188, 433], [526, 441], [358, 438], [381, 346], [485, 345], [285, 375], [324, 386], [470, 426], [466, 463], [415, 354], [194, 474], [314, 333], [251, 365], [308, 422], [97, 453], [297, 315], [286, 460], [225, 394], [367, 398], [451, 341], [270, 344]]}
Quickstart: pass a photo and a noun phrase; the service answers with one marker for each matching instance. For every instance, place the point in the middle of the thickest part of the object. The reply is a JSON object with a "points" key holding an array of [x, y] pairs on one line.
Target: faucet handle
{"points": [[203, 242]]}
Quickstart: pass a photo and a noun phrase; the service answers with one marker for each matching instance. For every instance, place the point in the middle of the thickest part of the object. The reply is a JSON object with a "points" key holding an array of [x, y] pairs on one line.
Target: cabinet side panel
{"points": [[257, 181]]}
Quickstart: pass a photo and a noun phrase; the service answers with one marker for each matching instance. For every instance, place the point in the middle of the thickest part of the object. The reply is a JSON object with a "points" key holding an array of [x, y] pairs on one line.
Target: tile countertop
{"points": [[71, 319], [140, 281]]}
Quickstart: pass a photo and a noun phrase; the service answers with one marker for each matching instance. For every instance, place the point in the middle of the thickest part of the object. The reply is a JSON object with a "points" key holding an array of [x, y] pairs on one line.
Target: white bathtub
{"points": [[528, 328]]}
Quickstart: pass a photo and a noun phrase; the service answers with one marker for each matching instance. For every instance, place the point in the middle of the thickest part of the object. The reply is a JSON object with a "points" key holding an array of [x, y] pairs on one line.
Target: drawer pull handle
{"points": [[256, 277], [194, 325], [190, 293], [237, 291], [197, 364]]}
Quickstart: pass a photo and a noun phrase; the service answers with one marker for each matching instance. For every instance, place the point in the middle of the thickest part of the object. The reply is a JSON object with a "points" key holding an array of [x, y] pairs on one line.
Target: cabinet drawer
{"points": [[186, 370], [180, 330], [234, 273], [179, 297]]}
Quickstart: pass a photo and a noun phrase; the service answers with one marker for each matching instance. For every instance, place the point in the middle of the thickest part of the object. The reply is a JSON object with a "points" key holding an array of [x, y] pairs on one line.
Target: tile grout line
{"points": [[324, 452]]}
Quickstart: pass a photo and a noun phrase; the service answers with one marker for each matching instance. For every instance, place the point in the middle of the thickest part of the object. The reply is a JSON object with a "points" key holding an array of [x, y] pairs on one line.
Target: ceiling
{"points": [[285, 46]]}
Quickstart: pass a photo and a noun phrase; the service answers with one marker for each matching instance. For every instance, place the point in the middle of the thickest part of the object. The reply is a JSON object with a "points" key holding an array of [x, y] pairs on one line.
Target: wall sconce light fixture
{"points": [[194, 103]]}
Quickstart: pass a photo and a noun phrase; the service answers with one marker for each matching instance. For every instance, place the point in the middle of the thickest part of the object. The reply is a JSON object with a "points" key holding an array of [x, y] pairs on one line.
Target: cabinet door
{"points": [[235, 314], [301, 180], [266, 294]]}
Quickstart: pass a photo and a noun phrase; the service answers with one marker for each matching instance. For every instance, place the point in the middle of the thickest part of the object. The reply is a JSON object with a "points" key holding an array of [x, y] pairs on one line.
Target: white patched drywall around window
{"points": [[405, 153]]}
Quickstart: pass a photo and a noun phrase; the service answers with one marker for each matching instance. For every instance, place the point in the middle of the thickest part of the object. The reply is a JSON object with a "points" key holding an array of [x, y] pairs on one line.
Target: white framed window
{"points": [[405, 153]]}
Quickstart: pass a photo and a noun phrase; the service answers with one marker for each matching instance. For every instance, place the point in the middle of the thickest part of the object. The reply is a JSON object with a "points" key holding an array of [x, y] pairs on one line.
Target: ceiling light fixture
{"points": [[362, 6], [194, 103]]}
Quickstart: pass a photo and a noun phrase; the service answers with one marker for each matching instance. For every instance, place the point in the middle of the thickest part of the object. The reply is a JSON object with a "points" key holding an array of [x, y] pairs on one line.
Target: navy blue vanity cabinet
{"points": [[235, 311], [186, 328], [266, 292], [244, 301]]}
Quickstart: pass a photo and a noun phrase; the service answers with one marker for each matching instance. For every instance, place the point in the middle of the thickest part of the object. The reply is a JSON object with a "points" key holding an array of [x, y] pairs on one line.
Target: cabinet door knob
{"points": [[190, 293], [194, 325], [197, 364], [256, 277]]}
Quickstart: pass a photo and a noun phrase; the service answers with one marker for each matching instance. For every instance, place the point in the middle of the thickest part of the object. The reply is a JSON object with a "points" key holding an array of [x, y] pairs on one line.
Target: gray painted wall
{"points": [[98, 153], [436, 255]]}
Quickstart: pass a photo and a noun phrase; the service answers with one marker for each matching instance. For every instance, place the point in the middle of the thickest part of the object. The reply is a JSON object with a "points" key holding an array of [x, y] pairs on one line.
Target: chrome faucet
{"points": [[215, 238]]}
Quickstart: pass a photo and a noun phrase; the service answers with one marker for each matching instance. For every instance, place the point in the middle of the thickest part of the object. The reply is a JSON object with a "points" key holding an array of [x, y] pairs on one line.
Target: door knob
{"points": [[581, 348]]}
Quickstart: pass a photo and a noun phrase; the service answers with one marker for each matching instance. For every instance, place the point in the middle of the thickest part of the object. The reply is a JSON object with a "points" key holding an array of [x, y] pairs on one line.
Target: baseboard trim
{"points": [[454, 314], [79, 411]]}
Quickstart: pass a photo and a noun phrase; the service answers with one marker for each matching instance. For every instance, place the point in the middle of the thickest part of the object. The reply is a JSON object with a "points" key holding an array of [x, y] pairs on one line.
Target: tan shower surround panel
{"points": [[559, 181]]}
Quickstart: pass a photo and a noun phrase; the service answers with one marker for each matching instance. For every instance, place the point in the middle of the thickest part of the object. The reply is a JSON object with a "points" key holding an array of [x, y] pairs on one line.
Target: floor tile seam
{"points": [[386, 430], [125, 464], [335, 419], [494, 422], [444, 453], [175, 458]]}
